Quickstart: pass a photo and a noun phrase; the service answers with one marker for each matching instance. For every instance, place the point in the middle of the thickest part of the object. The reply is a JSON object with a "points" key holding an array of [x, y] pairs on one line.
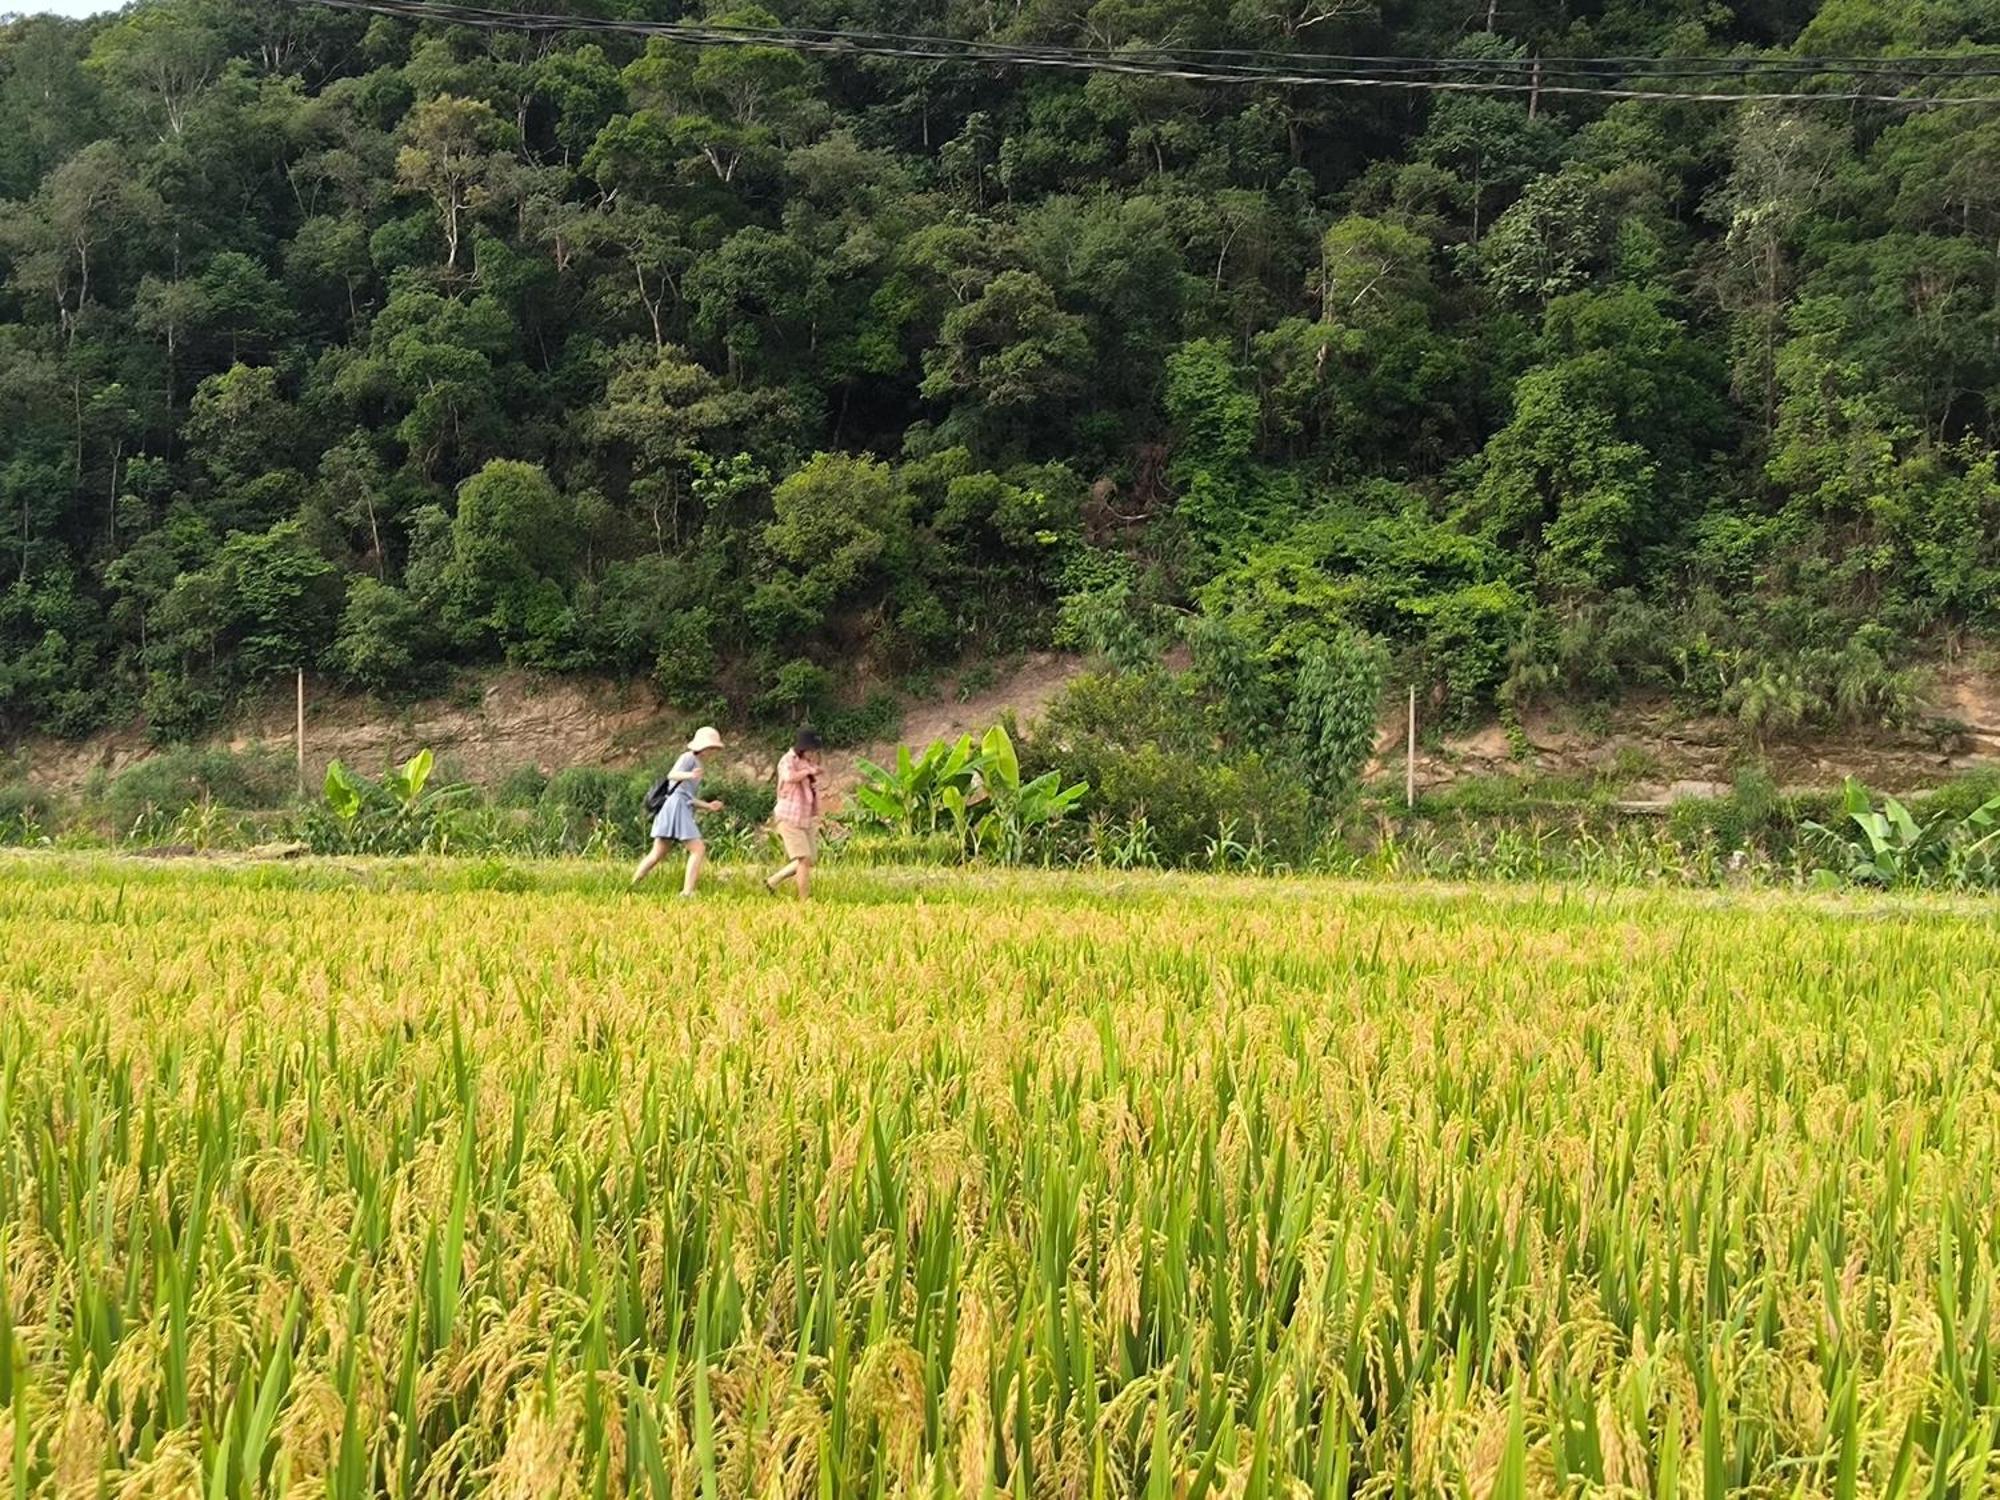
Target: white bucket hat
{"points": [[705, 738]]}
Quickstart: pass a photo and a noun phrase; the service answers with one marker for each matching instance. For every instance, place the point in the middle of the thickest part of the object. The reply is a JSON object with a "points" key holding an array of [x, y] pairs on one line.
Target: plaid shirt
{"points": [[798, 791]]}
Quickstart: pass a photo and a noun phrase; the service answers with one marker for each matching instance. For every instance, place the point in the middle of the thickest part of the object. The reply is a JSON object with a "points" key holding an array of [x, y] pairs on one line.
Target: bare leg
{"points": [[774, 881], [657, 853], [697, 856], [802, 877]]}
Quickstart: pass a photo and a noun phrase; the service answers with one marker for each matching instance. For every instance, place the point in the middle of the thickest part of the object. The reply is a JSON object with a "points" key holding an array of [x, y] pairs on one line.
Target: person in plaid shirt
{"points": [[796, 815]]}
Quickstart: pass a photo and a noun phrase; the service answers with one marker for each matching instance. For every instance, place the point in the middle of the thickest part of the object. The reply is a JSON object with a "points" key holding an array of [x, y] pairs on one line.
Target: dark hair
{"points": [[805, 740]]}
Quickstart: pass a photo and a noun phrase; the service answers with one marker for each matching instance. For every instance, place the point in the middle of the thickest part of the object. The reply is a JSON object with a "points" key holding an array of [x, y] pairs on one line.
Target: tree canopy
{"points": [[343, 342]]}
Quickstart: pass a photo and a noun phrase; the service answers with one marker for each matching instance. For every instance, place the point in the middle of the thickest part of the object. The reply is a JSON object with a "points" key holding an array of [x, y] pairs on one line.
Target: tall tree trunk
{"points": [[171, 328], [111, 495]]}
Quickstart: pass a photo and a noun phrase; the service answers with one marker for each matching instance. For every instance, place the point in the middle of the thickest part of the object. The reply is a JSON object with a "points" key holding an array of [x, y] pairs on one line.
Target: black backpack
{"points": [[657, 797]]}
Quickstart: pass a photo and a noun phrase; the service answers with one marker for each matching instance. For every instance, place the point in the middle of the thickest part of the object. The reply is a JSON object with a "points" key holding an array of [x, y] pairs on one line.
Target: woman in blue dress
{"points": [[674, 823]]}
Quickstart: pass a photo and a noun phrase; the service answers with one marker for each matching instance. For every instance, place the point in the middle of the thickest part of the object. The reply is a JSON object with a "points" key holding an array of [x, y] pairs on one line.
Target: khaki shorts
{"points": [[800, 842]]}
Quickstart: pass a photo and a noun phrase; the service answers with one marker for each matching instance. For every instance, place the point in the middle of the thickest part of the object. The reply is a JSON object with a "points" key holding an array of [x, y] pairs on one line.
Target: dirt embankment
{"points": [[1651, 750], [498, 723]]}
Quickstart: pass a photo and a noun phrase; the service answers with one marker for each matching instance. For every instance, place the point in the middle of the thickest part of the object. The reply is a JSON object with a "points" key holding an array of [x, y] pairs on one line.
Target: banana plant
{"points": [[974, 788], [912, 796], [1893, 848], [346, 794], [1014, 812], [406, 783], [403, 812], [1976, 861]]}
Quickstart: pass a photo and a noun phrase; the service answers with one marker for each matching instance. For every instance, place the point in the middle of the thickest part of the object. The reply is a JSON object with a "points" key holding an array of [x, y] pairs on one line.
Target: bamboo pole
{"points": [[1410, 756], [302, 732]]}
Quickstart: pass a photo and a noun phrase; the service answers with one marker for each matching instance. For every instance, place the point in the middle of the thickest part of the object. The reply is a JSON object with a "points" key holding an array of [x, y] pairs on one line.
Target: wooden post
{"points": [[1410, 756], [302, 733], [1535, 90]]}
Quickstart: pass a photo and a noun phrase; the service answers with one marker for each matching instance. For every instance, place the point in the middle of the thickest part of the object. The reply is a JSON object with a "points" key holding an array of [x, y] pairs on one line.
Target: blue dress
{"points": [[675, 819]]}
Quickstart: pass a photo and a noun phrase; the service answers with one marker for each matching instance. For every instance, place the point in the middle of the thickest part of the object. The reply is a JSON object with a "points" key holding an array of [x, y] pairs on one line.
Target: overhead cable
{"points": [[1598, 78]]}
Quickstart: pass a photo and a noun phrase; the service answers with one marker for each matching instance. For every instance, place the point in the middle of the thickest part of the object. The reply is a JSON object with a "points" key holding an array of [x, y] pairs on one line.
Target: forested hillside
{"points": [[342, 342]]}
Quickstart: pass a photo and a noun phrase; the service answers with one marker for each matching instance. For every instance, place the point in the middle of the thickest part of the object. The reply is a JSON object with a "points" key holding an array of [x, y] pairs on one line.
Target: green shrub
{"points": [[25, 811], [174, 779], [684, 668], [178, 708], [798, 692], [588, 798], [1186, 800], [745, 804], [879, 717], [1335, 702], [1960, 796], [1467, 636], [521, 787]]}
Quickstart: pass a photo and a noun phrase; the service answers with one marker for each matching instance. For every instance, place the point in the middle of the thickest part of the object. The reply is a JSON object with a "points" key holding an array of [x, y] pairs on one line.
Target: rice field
{"points": [[477, 1180]]}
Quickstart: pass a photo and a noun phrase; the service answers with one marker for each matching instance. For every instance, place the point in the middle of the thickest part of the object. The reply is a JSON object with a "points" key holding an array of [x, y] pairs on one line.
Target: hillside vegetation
{"points": [[340, 342]]}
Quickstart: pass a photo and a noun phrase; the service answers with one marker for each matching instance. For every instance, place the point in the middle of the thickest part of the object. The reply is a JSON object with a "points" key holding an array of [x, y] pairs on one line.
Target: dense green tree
{"points": [[839, 536], [1008, 355], [513, 541], [453, 158], [385, 643]]}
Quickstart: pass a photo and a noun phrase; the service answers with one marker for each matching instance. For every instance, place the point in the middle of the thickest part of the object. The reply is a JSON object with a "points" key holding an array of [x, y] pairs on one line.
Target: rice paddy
{"points": [[437, 1181]]}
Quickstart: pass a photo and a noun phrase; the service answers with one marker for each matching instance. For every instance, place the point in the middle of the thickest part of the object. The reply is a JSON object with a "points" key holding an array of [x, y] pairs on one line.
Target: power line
{"points": [[1598, 78]]}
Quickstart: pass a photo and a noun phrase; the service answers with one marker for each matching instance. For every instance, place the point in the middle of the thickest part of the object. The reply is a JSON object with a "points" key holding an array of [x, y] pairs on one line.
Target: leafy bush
{"points": [[178, 708], [594, 802], [1335, 701], [24, 812], [1754, 814], [878, 717], [174, 779], [746, 805], [1184, 801], [800, 690], [684, 669], [521, 787]]}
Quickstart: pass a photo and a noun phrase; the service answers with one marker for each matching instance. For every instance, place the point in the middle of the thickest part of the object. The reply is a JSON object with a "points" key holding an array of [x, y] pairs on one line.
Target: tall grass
{"points": [[315, 1181]]}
